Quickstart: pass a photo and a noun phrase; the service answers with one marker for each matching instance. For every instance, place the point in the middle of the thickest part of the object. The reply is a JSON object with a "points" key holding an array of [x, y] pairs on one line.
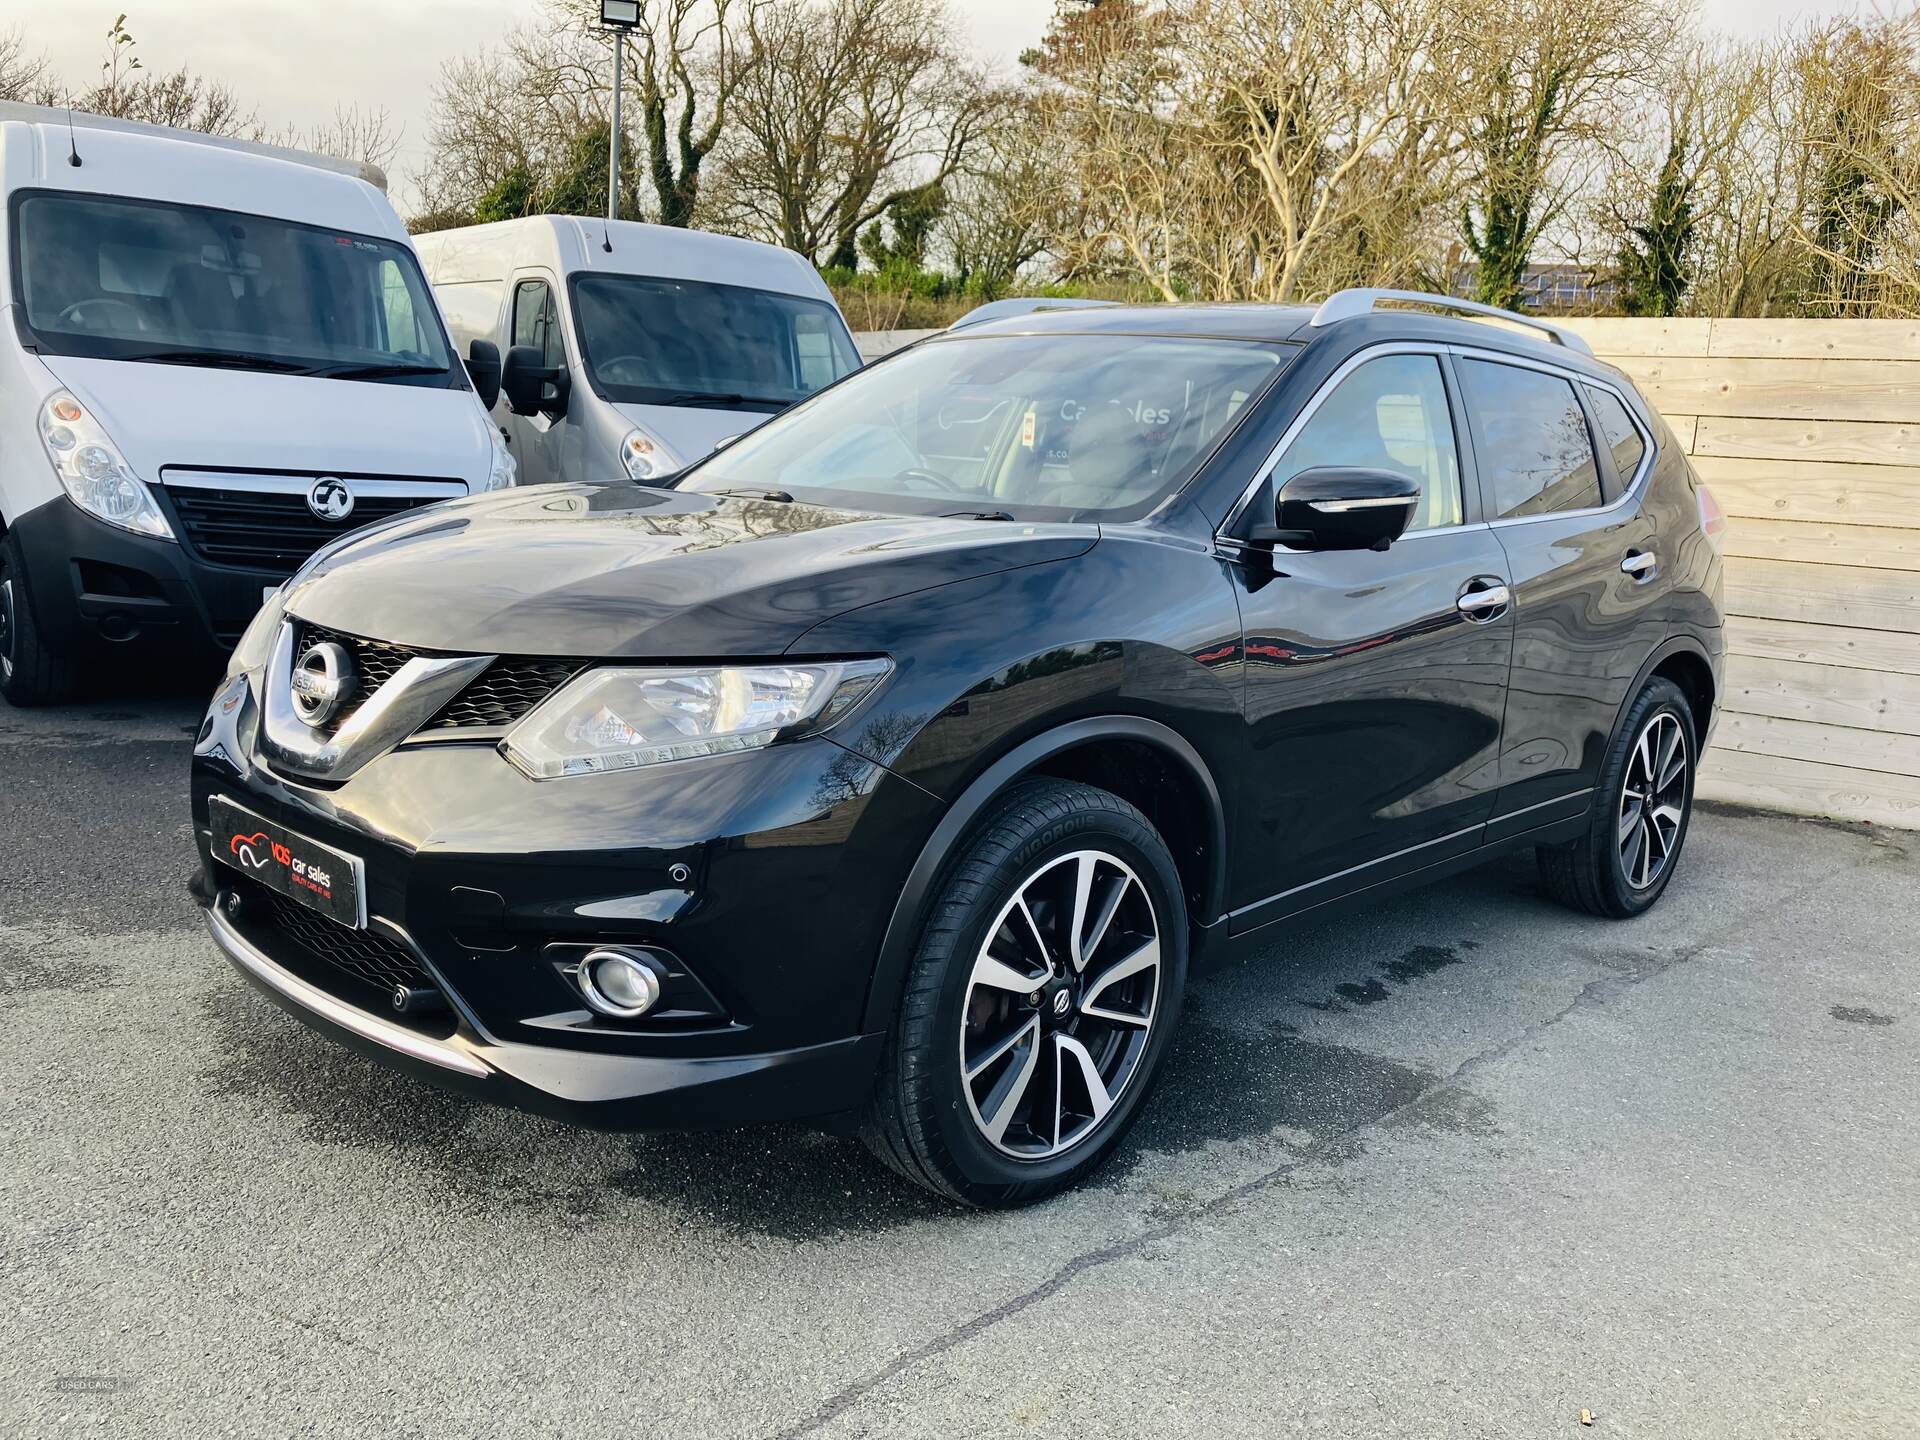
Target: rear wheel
{"points": [[1643, 805], [1039, 1003], [30, 674]]}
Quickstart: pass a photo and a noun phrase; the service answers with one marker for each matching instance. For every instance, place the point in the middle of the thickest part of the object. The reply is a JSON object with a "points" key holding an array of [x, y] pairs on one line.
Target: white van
{"points": [[219, 357], [634, 349]]}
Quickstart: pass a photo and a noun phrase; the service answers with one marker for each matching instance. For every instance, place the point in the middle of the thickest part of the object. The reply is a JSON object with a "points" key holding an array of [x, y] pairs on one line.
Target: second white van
{"points": [[634, 349]]}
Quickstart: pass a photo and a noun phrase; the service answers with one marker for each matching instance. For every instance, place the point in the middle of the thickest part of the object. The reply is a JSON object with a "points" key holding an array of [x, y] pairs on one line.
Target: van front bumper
{"points": [[96, 588]]}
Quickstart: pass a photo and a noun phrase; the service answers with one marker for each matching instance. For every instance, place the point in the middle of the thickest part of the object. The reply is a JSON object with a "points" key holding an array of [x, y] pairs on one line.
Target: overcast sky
{"points": [[296, 59]]}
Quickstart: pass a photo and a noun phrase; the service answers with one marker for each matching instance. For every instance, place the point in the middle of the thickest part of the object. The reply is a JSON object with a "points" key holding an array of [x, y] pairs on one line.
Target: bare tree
{"points": [[843, 108], [180, 98], [25, 77], [1544, 83]]}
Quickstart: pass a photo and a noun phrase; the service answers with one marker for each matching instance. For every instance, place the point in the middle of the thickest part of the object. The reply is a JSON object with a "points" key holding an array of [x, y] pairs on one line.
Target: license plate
{"points": [[317, 876]]}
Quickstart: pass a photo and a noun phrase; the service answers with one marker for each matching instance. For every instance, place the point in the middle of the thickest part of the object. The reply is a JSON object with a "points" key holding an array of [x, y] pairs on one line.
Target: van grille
{"points": [[264, 523]]}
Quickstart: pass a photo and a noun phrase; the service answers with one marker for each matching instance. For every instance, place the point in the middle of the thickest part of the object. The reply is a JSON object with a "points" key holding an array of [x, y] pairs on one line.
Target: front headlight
{"points": [[506, 470], [94, 472], [620, 719], [645, 457]]}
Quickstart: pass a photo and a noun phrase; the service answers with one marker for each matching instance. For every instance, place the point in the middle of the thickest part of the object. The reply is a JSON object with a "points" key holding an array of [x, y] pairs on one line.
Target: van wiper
{"points": [[779, 497], [221, 359], [375, 372], [977, 515], [712, 401]]}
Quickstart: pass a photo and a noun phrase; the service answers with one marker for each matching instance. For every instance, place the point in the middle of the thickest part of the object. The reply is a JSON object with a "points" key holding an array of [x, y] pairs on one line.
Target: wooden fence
{"points": [[1808, 432]]}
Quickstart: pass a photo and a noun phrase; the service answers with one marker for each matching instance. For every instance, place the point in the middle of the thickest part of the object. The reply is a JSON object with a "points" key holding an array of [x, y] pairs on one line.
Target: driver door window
{"points": [[536, 321], [1390, 414]]}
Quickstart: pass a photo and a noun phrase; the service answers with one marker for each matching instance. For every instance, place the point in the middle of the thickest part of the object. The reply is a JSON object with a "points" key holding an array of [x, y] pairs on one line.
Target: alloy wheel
{"points": [[6, 628], [1060, 1005], [1653, 800]]}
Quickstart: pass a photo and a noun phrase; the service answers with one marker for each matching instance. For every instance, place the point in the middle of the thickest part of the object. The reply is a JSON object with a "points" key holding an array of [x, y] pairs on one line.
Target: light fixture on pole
{"points": [[619, 16]]}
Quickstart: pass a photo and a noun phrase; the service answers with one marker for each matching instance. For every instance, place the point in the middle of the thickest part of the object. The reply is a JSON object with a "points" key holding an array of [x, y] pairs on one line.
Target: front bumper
{"points": [[610, 1092], [768, 877], [97, 589]]}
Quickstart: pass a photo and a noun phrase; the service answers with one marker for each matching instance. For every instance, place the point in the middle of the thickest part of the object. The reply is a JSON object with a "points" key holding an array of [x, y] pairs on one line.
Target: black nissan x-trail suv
{"points": [[894, 768]]}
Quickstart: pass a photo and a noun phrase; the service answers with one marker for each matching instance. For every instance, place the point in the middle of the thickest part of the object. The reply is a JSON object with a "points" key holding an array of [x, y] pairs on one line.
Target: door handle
{"points": [[1485, 604], [1640, 564]]}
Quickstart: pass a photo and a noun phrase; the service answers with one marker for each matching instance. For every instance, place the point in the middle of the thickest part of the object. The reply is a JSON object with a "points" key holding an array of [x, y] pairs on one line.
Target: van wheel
{"points": [[1039, 1002], [29, 673], [1641, 810]]}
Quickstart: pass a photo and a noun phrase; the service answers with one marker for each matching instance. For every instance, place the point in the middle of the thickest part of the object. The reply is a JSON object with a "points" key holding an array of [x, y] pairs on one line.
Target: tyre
{"points": [[30, 674], [1039, 1001], [1641, 810]]}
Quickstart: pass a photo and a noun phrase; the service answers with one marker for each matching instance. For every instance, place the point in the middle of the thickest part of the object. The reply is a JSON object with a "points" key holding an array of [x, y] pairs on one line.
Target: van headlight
{"points": [[506, 470], [621, 719], [93, 471], [645, 457]]}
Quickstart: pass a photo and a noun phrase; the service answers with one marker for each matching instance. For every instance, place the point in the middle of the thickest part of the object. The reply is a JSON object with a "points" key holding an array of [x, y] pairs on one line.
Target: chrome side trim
{"points": [[1357, 869], [366, 489], [250, 961], [406, 702], [1541, 805]]}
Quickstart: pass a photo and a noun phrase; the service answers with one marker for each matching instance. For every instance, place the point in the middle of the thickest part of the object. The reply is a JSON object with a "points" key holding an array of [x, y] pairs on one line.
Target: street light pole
{"points": [[613, 149], [619, 16]]}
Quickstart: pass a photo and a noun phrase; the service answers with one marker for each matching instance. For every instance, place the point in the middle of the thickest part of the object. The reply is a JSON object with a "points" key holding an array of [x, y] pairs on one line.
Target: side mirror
{"points": [[1340, 508], [532, 387], [483, 369]]}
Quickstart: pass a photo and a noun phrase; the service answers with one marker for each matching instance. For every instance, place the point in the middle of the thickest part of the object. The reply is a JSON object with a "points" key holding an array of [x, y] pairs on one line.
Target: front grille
{"points": [[361, 954], [269, 531], [503, 692], [374, 663]]}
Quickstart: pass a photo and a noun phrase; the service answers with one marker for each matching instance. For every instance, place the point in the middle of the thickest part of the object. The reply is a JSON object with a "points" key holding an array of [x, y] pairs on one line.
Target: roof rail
{"points": [[61, 117], [1349, 303]]}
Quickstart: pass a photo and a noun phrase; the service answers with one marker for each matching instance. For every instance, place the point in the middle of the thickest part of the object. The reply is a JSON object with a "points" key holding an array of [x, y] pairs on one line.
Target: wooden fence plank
{"points": [[1827, 694], [1821, 493], [1821, 390], [1823, 594], [1801, 787], [1824, 645], [1822, 744], [1851, 442], [1614, 336], [1873, 547], [1683, 427], [1816, 339]]}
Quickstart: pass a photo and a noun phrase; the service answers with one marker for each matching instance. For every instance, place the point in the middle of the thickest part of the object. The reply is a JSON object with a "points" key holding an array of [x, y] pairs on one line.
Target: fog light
{"points": [[619, 984]]}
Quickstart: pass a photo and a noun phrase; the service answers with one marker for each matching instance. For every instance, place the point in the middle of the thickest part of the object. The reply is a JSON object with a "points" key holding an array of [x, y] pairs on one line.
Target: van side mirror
{"points": [[1338, 507], [533, 387], [483, 369]]}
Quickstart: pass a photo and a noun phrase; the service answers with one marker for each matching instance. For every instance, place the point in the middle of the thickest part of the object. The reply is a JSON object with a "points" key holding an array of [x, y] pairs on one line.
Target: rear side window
{"points": [[1530, 441], [1390, 414], [1619, 432]]}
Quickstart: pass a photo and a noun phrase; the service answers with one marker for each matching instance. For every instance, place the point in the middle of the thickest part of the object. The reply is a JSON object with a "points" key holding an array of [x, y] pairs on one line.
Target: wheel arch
{"points": [[1683, 660], [1140, 760]]}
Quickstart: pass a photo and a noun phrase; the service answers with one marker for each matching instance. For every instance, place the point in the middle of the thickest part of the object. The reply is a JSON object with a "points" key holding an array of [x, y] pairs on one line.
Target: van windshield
{"points": [[654, 341], [138, 280], [1018, 427]]}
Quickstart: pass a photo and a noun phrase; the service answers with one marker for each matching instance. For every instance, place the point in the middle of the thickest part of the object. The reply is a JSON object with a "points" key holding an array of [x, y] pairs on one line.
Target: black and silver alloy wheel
{"points": [[1653, 800], [1060, 1004]]}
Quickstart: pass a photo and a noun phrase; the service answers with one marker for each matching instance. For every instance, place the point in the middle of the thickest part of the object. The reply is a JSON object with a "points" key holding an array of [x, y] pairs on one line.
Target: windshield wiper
{"points": [[375, 372], [977, 515], [779, 497], [719, 402], [224, 359]]}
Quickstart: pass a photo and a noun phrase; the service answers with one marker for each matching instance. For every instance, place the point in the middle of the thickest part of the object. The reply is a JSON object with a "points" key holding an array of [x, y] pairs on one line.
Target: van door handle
{"points": [[1642, 565], [1484, 598]]}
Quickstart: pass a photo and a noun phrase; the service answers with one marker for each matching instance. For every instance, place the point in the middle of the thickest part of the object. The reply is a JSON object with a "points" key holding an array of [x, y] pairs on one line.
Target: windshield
{"points": [[136, 280], [651, 341], [1051, 427]]}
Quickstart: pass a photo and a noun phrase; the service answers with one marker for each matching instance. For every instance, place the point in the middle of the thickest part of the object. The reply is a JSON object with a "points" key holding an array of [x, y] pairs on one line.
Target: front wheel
{"points": [[1641, 810], [1038, 1007], [30, 673]]}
